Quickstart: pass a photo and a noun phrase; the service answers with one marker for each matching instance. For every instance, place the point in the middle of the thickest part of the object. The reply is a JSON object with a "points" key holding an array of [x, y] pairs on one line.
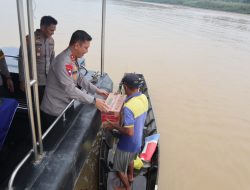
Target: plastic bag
{"points": [[149, 148], [138, 163]]}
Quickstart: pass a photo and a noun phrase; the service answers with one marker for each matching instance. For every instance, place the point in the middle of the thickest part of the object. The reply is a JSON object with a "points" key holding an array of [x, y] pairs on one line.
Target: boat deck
{"points": [[66, 148]]}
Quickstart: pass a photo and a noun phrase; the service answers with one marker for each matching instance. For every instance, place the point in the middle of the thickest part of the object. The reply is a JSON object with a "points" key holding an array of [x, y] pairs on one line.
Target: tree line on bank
{"points": [[239, 6]]}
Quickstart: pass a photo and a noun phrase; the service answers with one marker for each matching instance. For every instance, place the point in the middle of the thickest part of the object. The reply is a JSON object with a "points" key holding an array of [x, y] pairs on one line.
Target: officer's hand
{"points": [[22, 86], [102, 92], [100, 104], [10, 85]]}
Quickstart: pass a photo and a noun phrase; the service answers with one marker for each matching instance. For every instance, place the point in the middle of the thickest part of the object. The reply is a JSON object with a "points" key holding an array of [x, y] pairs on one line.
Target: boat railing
{"points": [[14, 173], [30, 83], [103, 35], [19, 166], [58, 118]]}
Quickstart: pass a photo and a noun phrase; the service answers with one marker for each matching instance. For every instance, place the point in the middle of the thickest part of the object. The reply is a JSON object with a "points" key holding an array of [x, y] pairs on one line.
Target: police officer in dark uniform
{"points": [[64, 77]]}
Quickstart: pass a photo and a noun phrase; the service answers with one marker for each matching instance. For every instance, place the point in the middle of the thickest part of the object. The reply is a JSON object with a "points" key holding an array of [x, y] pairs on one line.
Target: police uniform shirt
{"points": [[61, 85], [45, 54]]}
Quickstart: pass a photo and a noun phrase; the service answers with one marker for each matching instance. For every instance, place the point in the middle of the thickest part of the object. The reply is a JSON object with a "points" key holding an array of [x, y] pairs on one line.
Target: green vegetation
{"points": [[239, 6]]}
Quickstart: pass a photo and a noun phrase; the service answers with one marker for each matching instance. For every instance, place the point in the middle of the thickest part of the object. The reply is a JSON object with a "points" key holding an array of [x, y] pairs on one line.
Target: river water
{"points": [[196, 63]]}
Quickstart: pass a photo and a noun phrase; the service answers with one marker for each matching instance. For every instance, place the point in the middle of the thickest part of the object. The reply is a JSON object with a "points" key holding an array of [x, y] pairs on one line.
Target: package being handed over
{"points": [[115, 102]]}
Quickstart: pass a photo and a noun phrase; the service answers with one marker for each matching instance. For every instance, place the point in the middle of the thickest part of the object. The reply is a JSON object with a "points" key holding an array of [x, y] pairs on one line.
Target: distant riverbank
{"points": [[238, 6]]}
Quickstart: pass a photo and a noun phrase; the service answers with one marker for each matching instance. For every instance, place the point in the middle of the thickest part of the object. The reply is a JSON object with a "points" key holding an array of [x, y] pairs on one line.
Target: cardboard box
{"points": [[115, 101]]}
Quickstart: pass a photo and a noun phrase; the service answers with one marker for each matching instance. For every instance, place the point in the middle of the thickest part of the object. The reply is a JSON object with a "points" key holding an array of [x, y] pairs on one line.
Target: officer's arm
{"points": [[52, 57], [84, 83], [67, 82]]}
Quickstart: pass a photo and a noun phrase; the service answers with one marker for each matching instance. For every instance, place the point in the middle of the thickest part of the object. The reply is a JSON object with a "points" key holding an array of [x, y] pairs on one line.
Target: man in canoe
{"points": [[134, 114]]}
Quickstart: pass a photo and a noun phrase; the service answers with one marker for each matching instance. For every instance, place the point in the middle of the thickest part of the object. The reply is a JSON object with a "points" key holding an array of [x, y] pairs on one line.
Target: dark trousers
{"points": [[46, 120], [41, 90]]}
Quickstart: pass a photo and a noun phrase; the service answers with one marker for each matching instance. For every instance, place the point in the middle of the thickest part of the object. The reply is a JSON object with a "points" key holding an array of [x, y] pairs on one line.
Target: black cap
{"points": [[132, 80]]}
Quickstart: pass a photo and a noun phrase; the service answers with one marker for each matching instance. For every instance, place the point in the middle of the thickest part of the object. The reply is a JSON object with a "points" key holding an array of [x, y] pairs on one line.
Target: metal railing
{"points": [[103, 35], [28, 82], [58, 118], [13, 175], [34, 72]]}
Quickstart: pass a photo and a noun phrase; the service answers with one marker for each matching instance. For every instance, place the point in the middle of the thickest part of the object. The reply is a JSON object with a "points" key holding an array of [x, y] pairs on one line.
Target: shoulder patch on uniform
{"points": [[69, 68]]}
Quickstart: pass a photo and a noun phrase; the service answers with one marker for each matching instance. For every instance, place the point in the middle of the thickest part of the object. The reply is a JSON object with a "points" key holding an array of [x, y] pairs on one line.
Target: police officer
{"points": [[4, 71], [45, 54], [63, 78]]}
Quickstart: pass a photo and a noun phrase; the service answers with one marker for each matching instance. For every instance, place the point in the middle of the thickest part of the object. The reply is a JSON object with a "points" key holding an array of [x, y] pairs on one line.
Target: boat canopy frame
{"points": [[30, 83]]}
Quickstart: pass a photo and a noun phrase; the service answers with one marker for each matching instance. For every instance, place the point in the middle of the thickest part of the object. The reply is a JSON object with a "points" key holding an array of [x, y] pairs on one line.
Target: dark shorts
{"points": [[122, 160]]}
